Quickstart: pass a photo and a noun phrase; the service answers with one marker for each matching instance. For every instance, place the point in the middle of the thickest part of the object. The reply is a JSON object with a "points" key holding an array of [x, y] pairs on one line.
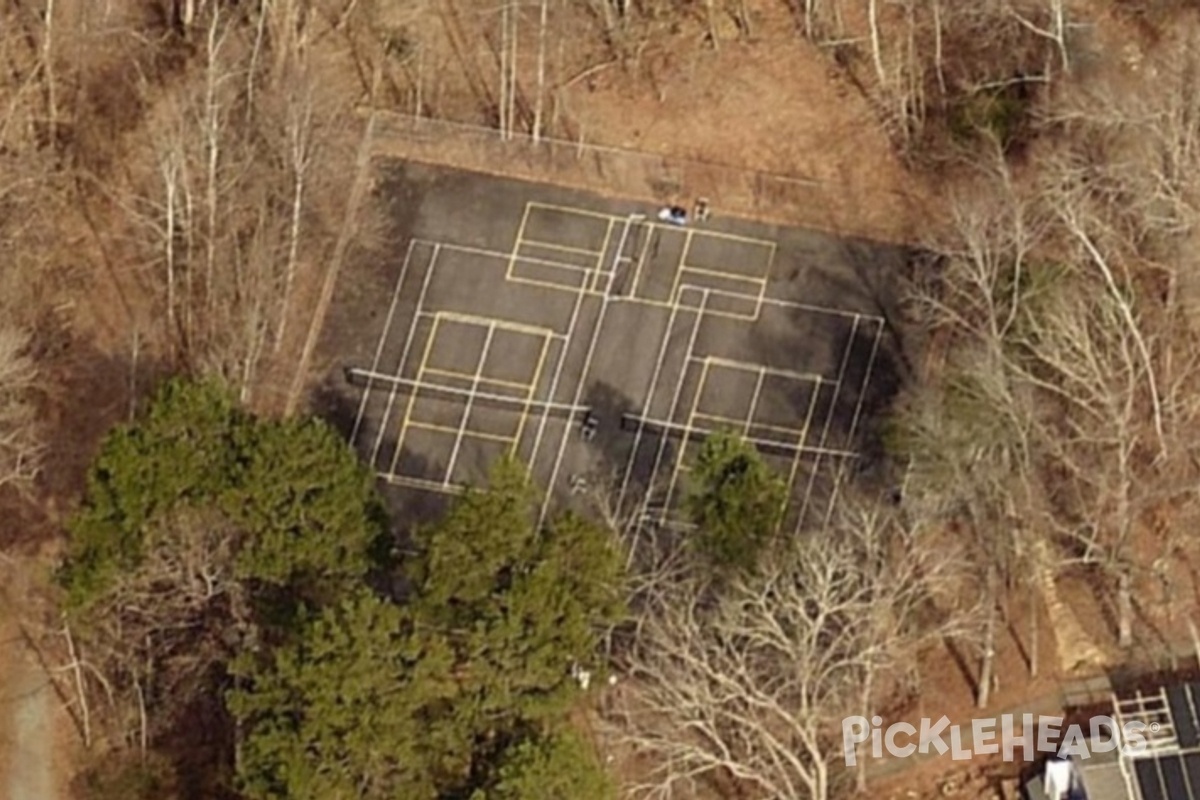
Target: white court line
{"points": [[793, 304], [816, 466], [599, 266], [581, 385], [748, 366], [791, 484], [685, 440], [421, 483], [580, 294], [412, 329], [862, 393], [383, 337], [649, 402], [762, 376], [462, 429], [662, 444]]}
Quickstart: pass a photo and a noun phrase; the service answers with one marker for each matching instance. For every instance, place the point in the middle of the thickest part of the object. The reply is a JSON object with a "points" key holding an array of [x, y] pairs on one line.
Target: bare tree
{"points": [[148, 643], [225, 208], [20, 444], [748, 685]]}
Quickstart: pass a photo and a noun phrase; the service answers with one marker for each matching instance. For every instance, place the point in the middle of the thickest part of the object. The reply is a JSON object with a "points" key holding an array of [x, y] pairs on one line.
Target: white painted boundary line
{"points": [[466, 415], [581, 384], [662, 444], [383, 337], [651, 391], [580, 294], [412, 330], [421, 483], [758, 384], [791, 484], [862, 393], [829, 414]]}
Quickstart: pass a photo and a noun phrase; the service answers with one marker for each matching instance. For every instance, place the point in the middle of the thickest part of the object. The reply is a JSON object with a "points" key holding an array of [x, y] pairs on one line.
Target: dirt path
{"points": [[27, 710]]}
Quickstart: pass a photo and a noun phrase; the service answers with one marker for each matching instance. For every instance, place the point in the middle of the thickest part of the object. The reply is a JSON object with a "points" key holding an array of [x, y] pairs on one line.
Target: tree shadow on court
{"points": [[851, 415], [610, 448]]}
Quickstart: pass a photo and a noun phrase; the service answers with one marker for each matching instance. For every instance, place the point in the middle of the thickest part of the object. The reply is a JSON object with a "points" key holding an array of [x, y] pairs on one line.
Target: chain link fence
{"points": [[646, 176]]}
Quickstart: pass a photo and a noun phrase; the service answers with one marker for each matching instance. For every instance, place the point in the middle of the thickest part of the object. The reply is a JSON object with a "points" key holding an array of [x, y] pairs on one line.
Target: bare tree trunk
{"points": [[170, 177], [860, 777], [937, 46], [1034, 631], [299, 129], [515, 19], [712, 24], [541, 73], [876, 44], [212, 124], [1124, 608], [987, 662], [503, 100], [48, 70], [77, 670]]}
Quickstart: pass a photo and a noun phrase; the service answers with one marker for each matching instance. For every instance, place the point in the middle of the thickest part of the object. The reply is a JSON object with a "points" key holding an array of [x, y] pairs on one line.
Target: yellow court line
{"points": [[412, 397], [517, 242], [741, 423], [687, 243], [449, 373], [537, 378], [467, 432], [552, 246]]}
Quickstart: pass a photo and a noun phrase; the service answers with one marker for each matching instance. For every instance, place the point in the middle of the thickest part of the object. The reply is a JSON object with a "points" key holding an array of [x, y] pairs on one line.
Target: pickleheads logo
{"points": [[991, 736]]}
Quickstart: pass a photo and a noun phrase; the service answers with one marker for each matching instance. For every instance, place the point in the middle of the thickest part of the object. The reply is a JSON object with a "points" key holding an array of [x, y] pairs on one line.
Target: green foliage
{"points": [[519, 602], [184, 451], [416, 700], [735, 501], [352, 710], [553, 765], [306, 510]]}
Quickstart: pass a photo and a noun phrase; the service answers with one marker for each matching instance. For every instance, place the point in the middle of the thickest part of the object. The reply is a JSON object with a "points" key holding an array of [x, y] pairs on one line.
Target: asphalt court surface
{"points": [[507, 313]]}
